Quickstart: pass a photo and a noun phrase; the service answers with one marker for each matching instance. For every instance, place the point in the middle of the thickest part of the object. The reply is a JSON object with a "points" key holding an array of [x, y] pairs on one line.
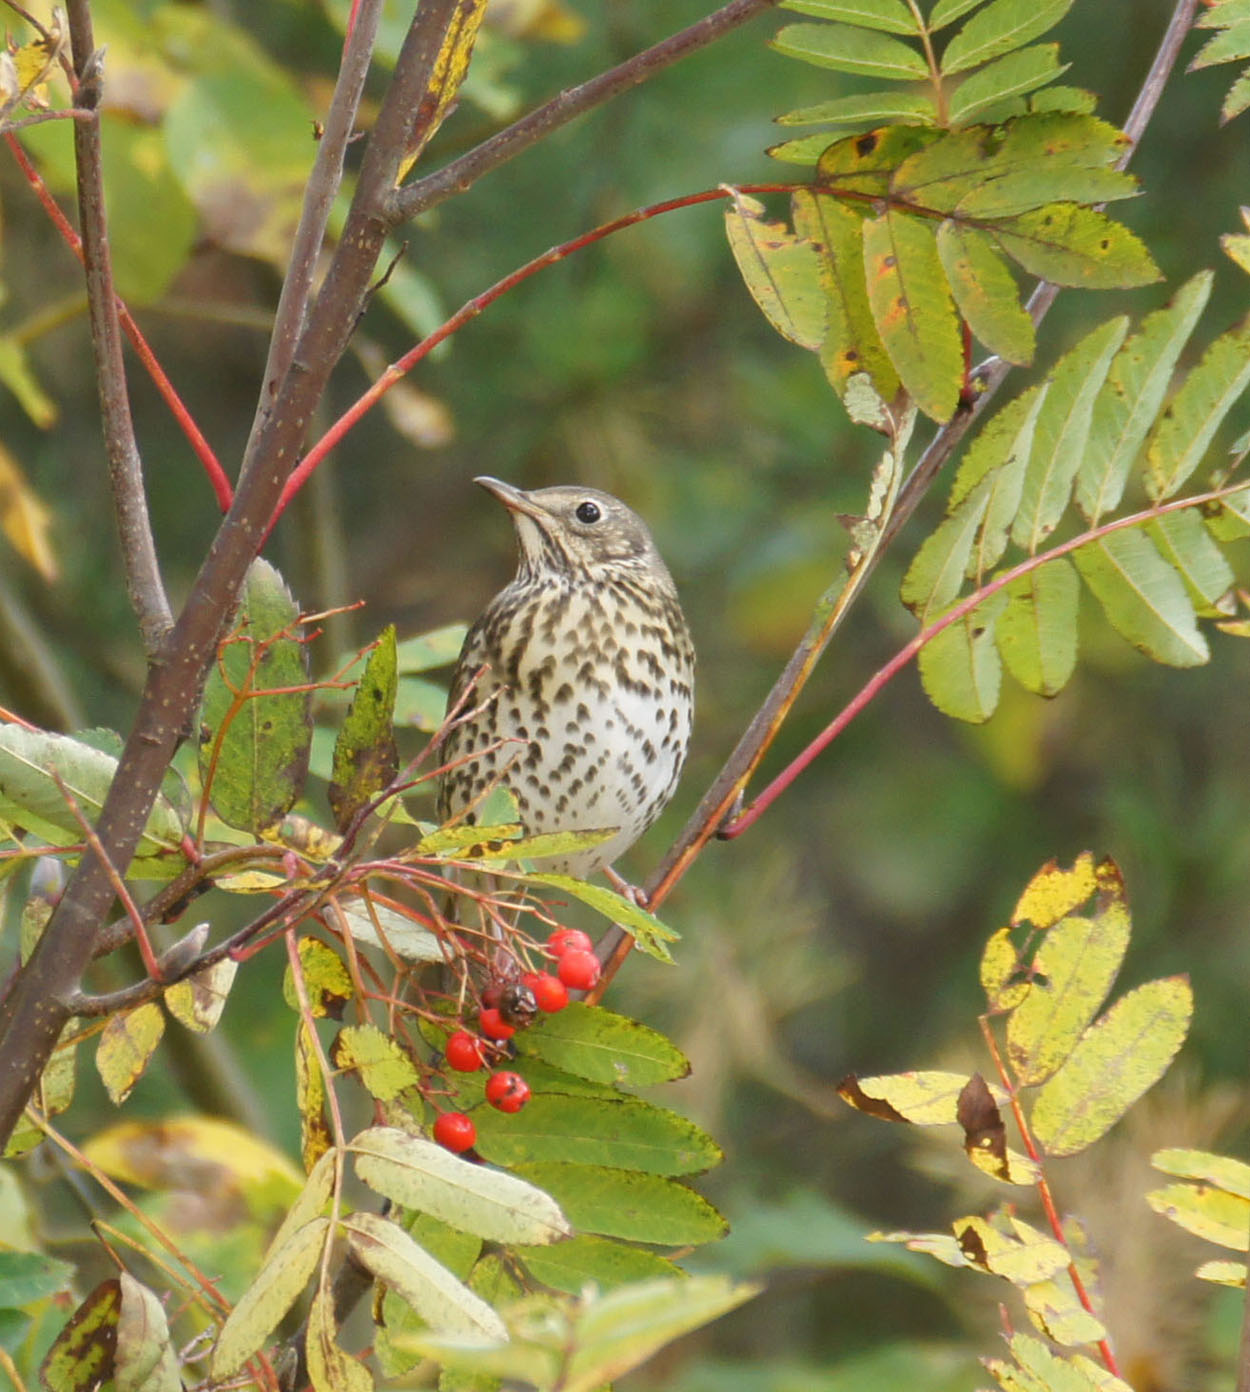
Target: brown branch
{"points": [[143, 576], [460, 174]]}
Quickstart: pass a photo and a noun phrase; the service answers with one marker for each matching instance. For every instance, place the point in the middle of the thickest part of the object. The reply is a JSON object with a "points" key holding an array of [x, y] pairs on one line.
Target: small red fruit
{"points": [[464, 1051], [566, 939], [455, 1131], [578, 970], [508, 1092], [493, 1025], [550, 992]]}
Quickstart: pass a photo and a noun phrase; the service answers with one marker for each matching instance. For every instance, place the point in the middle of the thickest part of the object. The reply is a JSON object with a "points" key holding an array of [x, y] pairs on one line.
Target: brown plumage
{"points": [[590, 677]]}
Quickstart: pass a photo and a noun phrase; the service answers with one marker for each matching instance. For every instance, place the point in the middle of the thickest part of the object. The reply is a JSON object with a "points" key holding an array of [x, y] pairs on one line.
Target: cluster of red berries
{"points": [[505, 1009]]}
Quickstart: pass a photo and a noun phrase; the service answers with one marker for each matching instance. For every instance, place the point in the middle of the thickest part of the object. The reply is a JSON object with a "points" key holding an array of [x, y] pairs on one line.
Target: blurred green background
{"points": [[843, 932]]}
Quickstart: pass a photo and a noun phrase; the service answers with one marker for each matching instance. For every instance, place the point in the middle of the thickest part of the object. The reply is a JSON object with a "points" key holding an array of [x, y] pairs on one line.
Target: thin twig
{"points": [[323, 187], [143, 576], [460, 174]]}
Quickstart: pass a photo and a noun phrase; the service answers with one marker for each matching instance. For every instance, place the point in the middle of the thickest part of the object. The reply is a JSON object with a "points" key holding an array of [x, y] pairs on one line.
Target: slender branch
{"points": [[134, 525], [323, 187], [426, 193]]}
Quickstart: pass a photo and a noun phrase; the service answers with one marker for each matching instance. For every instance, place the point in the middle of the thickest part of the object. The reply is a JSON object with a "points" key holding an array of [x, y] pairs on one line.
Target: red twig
{"points": [[221, 486]]}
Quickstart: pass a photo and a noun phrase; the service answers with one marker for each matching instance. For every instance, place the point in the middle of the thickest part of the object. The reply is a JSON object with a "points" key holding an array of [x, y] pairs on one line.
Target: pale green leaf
{"points": [[422, 1175], [1237, 99], [780, 270], [1061, 433], [1131, 397], [1121, 1055], [378, 925], [1004, 443], [1183, 433], [1188, 547], [847, 49], [1037, 633], [985, 291], [1079, 247], [998, 28], [936, 575], [960, 667], [890, 15], [1010, 76], [1230, 45], [384, 1069], [145, 1359], [1075, 966], [1223, 1273], [1006, 482], [912, 308], [865, 108], [438, 648], [948, 11], [1143, 597], [446, 1304], [283, 1275]]}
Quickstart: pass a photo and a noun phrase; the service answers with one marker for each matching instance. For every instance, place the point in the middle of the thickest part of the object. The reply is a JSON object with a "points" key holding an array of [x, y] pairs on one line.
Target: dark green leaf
{"points": [[846, 49], [960, 668], [911, 305], [1037, 633], [254, 746], [365, 754], [1144, 598], [581, 1261], [985, 291], [594, 1043], [1131, 396], [1077, 246], [1061, 433], [998, 28], [1011, 76]]}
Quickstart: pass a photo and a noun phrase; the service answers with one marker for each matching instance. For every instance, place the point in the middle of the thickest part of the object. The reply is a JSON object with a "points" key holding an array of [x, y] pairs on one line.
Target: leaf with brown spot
{"points": [[366, 756]]}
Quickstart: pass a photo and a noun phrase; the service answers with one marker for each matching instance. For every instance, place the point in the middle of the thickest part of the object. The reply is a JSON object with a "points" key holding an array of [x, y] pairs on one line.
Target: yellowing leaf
{"points": [[781, 271], [450, 68], [1120, 1056], [1021, 1257], [26, 521], [310, 1097], [1220, 1170], [1055, 1310], [926, 1099], [1207, 1212], [1223, 1273], [126, 1048], [385, 1070], [197, 1001], [329, 1368], [1000, 963], [1053, 893]]}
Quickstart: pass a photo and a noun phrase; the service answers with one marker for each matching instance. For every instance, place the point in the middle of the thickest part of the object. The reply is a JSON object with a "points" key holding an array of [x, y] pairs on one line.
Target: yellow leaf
{"points": [[1126, 1051], [450, 67], [126, 1047], [1207, 1212], [1052, 893], [24, 518], [329, 1368], [310, 1096], [1054, 1308], [384, 1068], [1022, 1257], [197, 1002], [1223, 1273], [1220, 1170], [928, 1098], [326, 980], [999, 963]]}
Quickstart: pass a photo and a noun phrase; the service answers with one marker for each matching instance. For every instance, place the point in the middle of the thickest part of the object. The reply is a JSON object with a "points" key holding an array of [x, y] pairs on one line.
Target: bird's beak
{"points": [[514, 499]]}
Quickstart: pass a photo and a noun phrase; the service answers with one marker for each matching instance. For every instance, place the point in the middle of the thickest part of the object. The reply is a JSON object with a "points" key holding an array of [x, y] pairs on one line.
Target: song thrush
{"points": [[586, 670]]}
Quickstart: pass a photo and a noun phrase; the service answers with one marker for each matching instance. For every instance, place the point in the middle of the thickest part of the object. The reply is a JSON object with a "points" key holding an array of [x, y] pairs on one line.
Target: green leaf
{"points": [[1004, 442], [1187, 546], [985, 291], [389, 929], [1006, 483], [1230, 45], [781, 272], [1037, 633], [911, 306], [865, 108], [366, 757], [1130, 399], [596, 1044], [1236, 100], [1188, 425], [866, 163], [421, 1175], [1062, 430], [273, 1291], [960, 668], [37, 770], [620, 1203], [446, 1304], [998, 28], [1011, 76], [948, 11], [587, 1260], [846, 49], [890, 15], [936, 575], [1076, 246], [18, 374], [1075, 966], [1123, 1054], [385, 1070], [254, 747], [29, 1276], [649, 934], [851, 344], [625, 1133], [1143, 597]]}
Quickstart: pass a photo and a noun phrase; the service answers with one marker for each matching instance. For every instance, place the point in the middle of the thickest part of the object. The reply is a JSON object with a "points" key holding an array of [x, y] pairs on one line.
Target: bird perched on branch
{"points": [[586, 673]]}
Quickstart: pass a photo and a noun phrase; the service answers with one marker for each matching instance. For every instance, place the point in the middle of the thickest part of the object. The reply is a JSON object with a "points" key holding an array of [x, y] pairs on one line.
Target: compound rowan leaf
{"points": [[1037, 632], [1143, 597], [1124, 1053], [913, 311]]}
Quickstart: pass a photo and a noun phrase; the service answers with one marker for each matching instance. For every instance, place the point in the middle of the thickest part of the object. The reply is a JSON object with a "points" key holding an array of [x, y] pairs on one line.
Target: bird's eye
{"points": [[588, 512]]}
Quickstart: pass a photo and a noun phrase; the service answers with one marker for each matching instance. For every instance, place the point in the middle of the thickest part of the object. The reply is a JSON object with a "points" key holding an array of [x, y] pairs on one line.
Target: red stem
{"points": [[472, 308], [221, 486], [745, 820]]}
